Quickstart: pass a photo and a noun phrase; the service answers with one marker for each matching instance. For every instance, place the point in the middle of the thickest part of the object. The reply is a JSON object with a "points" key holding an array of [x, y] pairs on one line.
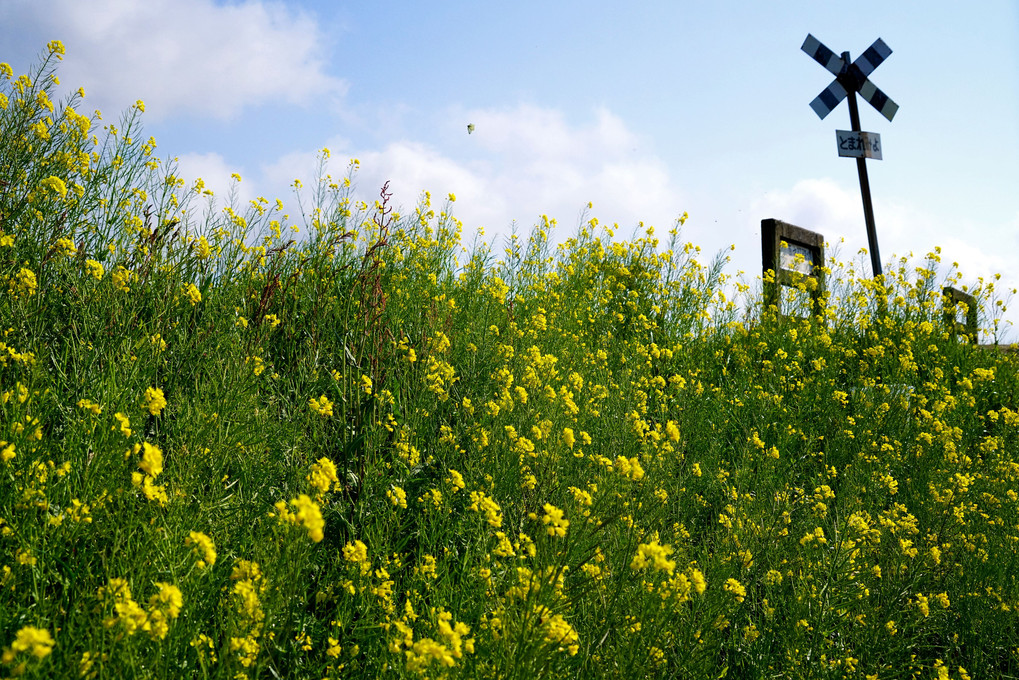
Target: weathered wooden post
{"points": [[781, 243], [953, 297]]}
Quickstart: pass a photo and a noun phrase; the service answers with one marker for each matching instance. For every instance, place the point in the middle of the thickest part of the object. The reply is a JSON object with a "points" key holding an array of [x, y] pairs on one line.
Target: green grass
{"points": [[383, 454]]}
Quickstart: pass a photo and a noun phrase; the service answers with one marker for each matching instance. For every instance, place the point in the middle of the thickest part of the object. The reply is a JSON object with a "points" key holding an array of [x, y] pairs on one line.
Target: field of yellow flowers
{"points": [[237, 444]]}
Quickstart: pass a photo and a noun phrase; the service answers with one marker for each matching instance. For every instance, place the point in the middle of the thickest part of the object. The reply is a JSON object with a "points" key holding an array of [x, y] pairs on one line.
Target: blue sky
{"points": [[647, 111]]}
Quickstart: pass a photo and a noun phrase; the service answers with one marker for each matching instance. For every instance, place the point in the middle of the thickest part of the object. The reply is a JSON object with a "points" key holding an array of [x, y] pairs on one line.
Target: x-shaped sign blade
{"points": [[822, 55], [872, 58], [853, 76], [878, 99], [828, 99]]}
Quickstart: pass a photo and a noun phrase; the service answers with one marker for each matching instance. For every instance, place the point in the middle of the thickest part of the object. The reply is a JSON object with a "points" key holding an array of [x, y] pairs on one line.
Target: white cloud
{"points": [[216, 173], [975, 262], [824, 206], [538, 163], [190, 56], [528, 161], [820, 205], [410, 168]]}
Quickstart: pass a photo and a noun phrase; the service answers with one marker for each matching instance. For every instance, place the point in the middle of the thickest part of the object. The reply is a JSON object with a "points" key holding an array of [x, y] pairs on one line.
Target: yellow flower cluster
{"points": [[123, 424], [23, 284], [203, 547], [555, 523], [150, 462], [357, 553], [154, 402], [36, 642], [245, 593], [421, 654], [192, 293], [397, 496], [321, 406], [323, 477], [54, 184], [121, 277], [90, 406], [95, 269], [130, 617], [485, 505], [305, 513], [558, 632], [655, 555], [65, 247]]}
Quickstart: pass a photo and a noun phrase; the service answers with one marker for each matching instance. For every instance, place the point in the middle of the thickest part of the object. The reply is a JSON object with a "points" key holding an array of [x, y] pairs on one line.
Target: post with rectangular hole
{"points": [[793, 255], [953, 298]]}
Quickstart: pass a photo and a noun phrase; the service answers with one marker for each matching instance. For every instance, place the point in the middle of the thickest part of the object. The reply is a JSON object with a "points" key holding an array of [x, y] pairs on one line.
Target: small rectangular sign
{"points": [[859, 144], [789, 261]]}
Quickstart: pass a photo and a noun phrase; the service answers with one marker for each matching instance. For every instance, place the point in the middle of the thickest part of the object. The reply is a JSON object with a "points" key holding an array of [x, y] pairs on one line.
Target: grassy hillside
{"points": [[237, 444]]}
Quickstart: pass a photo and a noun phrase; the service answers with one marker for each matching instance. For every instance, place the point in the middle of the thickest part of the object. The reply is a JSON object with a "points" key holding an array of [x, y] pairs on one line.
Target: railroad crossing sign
{"points": [[850, 78]]}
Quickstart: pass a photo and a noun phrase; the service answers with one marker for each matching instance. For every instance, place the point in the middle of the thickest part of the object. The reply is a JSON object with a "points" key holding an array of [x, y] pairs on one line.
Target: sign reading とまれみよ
{"points": [[858, 144]]}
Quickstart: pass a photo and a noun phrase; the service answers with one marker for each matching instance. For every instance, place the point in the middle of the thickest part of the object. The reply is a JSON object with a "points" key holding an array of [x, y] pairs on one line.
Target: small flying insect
{"points": [[470, 128]]}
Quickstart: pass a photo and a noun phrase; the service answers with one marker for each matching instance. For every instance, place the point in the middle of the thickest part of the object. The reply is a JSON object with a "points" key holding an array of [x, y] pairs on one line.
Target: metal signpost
{"points": [[850, 78]]}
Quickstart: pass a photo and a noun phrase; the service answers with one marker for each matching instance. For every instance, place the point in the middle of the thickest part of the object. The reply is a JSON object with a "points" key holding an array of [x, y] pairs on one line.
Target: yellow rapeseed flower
{"points": [[456, 480], [629, 468], [309, 514], [151, 461], [36, 641], [56, 185], [357, 553], [123, 424], [23, 283], [323, 476], [258, 365], [555, 523], [65, 247], [121, 277], [653, 554], [203, 249], [154, 402], [164, 606], [204, 547], [485, 504], [193, 294], [736, 588], [560, 633], [321, 406], [88, 405], [126, 612], [95, 269], [397, 496]]}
